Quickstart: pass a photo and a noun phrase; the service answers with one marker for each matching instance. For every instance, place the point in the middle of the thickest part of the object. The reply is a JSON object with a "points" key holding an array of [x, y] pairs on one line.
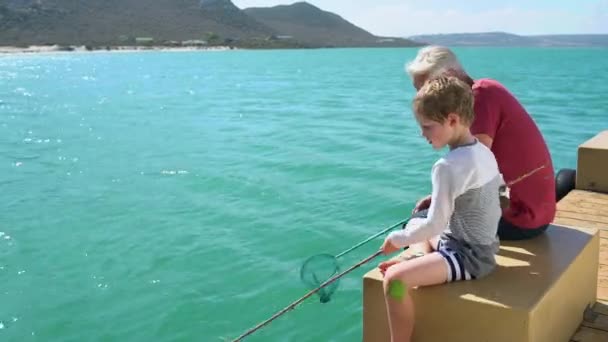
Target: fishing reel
{"points": [[504, 196]]}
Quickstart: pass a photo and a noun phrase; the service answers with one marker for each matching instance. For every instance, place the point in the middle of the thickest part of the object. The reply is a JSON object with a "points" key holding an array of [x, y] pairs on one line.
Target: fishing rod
{"points": [[301, 299]]}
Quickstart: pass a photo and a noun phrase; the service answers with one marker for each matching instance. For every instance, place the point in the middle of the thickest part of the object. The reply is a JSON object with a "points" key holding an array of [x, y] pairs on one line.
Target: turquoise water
{"points": [[174, 196]]}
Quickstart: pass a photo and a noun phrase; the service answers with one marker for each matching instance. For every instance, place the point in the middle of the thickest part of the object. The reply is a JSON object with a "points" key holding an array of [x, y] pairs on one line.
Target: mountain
{"points": [[316, 27], [219, 22], [513, 40], [588, 40], [99, 22]]}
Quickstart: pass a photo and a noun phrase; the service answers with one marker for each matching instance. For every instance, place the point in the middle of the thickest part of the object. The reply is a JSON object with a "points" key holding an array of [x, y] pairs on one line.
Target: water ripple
{"points": [[178, 200]]}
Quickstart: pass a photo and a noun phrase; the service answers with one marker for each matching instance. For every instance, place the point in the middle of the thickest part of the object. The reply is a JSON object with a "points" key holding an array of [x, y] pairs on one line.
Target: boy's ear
{"points": [[453, 119]]}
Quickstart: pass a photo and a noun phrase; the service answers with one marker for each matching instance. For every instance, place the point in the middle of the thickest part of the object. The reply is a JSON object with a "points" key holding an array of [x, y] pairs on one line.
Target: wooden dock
{"points": [[590, 209]]}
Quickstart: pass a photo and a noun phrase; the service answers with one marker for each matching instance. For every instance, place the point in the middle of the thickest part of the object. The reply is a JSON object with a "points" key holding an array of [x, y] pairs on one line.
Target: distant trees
{"points": [[213, 38]]}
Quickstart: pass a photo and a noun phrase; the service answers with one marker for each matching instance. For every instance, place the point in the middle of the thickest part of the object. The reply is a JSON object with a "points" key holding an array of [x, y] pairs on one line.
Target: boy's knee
{"points": [[394, 287]]}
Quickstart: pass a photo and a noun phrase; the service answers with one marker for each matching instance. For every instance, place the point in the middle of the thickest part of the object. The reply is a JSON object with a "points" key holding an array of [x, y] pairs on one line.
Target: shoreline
{"points": [[35, 49], [56, 49]]}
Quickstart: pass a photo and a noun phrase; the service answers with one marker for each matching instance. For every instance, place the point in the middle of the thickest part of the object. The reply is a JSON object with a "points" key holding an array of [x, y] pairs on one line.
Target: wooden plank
{"points": [[601, 221], [599, 322], [598, 201], [582, 204], [603, 251], [601, 307], [587, 196], [570, 222], [602, 283], [588, 209], [584, 197], [603, 241], [602, 293], [584, 334]]}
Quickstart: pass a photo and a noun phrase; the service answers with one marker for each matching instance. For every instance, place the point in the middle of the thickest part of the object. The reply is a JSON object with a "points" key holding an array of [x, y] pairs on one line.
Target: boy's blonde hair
{"points": [[442, 96]]}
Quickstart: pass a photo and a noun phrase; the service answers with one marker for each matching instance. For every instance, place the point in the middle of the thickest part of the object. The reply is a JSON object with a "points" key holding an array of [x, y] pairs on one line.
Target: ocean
{"points": [[173, 196]]}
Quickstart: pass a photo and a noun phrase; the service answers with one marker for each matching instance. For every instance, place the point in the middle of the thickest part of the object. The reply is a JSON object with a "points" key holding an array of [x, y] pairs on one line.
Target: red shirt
{"points": [[519, 148]]}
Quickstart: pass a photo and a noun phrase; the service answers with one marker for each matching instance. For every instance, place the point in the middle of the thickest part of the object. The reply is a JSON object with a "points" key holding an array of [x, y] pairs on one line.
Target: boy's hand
{"points": [[422, 204], [383, 266], [388, 247]]}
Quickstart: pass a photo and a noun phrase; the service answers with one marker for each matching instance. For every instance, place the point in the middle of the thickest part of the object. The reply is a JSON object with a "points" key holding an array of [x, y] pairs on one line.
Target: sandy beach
{"points": [[64, 49]]}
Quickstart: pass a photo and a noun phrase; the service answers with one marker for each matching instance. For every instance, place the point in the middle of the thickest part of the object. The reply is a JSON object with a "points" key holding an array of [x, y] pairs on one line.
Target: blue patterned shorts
{"points": [[456, 270]]}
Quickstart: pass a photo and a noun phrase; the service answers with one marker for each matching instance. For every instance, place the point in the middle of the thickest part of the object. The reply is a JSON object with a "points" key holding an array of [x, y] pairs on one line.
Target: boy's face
{"points": [[436, 133]]}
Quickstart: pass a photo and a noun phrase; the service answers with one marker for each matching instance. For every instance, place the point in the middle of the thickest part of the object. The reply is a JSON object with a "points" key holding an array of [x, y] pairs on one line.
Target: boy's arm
{"points": [[440, 211]]}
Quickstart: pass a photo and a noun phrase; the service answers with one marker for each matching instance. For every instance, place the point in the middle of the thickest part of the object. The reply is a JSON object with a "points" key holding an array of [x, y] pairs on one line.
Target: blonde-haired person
{"points": [[465, 198], [503, 125]]}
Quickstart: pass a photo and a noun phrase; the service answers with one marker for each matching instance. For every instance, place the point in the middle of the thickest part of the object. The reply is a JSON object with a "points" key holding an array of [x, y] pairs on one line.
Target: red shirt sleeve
{"points": [[487, 112]]}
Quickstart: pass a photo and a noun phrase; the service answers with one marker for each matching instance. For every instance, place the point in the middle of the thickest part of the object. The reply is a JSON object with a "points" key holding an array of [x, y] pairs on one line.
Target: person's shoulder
{"points": [[485, 83], [484, 157], [479, 147], [456, 160], [487, 88], [445, 170], [468, 157], [443, 164]]}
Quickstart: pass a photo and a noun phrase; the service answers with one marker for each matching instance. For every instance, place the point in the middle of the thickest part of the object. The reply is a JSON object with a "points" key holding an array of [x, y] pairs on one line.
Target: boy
{"points": [[459, 235]]}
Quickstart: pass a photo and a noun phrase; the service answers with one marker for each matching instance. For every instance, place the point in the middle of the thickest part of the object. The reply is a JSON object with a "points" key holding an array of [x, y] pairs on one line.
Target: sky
{"points": [[403, 18]]}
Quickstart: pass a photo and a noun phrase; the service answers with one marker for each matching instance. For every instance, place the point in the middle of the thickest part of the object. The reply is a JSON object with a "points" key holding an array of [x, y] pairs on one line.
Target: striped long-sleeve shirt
{"points": [[465, 207]]}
